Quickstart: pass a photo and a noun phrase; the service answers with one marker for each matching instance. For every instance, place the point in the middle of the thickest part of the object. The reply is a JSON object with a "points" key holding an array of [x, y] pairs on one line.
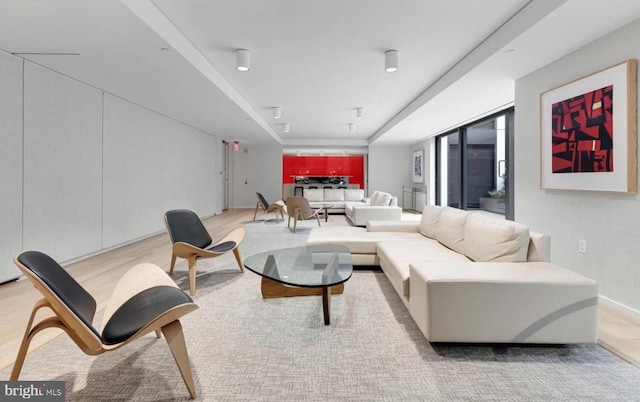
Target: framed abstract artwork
{"points": [[418, 166], [588, 132]]}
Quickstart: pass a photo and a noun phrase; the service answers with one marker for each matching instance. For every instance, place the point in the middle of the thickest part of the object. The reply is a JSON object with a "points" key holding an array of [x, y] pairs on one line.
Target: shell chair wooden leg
{"points": [[191, 241], [145, 300]]}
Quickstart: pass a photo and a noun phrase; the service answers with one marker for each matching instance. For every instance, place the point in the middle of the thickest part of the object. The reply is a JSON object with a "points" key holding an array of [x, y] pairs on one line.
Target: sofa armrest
{"points": [[539, 247], [393, 226]]}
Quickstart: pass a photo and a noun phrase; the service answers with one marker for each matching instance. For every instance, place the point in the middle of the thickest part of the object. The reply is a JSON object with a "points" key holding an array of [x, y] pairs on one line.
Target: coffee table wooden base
{"points": [[272, 288]]}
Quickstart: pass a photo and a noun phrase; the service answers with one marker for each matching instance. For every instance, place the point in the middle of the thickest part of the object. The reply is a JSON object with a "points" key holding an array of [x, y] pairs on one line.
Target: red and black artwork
{"points": [[582, 133]]}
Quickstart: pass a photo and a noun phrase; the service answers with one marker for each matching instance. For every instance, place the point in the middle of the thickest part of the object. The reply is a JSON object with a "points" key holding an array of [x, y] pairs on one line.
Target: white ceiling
{"points": [[316, 60]]}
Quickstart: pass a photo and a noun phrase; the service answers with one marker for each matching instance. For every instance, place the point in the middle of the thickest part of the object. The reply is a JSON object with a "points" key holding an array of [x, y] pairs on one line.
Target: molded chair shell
{"points": [[299, 209], [277, 207], [145, 300], [191, 241]]}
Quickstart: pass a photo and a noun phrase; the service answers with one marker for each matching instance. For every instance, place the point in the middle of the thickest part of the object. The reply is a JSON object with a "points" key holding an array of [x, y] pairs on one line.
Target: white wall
{"points": [[10, 164], [260, 167], [151, 165], [429, 148], [95, 170], [608, 222], [389, 169], [62, 164]]}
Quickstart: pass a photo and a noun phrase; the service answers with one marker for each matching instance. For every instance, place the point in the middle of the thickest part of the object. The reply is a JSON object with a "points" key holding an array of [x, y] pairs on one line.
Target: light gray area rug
{"points": [[246, 348]]}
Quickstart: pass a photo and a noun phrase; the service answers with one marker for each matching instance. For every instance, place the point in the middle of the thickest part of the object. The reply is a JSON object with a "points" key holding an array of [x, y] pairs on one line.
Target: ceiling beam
{"points": [[158, 22], [525, 18]]}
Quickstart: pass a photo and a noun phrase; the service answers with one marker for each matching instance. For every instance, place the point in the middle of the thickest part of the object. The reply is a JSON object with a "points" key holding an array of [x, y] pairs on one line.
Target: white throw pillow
{"points": [[373, 198], [489, 239], [429, 221], [333, 194], [353, 195], [382, 200], [314, 194], [451, 228]]}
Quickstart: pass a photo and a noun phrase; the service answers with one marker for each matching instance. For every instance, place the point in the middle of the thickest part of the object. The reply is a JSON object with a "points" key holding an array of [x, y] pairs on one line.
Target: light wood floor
{"points": [[99, 274]]}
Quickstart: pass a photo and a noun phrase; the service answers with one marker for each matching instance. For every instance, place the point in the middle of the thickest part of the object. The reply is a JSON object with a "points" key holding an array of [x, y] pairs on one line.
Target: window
{"points": [[472, 165]]}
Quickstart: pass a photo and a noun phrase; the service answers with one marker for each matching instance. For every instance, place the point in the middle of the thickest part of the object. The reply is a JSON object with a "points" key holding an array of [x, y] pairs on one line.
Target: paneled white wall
{"points": [[608, 222], [10, 164], [151, 165], [62, 164], [95, 171]]}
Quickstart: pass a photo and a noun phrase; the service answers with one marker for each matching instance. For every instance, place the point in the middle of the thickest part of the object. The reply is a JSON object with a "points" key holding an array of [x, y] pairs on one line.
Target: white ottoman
{"points": [[502, 302]]}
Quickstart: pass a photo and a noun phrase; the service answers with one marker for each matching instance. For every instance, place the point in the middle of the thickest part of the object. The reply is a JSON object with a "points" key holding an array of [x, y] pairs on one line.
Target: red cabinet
{"points": [[352, 166]]}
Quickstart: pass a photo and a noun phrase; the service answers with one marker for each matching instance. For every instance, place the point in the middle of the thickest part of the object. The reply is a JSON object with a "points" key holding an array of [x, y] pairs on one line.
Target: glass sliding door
{"points": [[486, 165], [473, 168]]}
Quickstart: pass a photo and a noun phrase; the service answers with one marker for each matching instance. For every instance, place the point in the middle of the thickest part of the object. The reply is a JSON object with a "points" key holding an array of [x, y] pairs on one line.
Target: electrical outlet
{"points": [[582, 246]]}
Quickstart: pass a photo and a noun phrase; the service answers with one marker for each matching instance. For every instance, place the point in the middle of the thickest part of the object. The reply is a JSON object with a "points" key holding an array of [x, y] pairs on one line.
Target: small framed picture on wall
{"points": [[418, 166]]}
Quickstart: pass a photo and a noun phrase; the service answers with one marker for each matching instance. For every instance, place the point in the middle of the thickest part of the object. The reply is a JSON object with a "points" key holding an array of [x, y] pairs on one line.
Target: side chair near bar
{"points": [[145, 300], [277, 207], [191, 241]]}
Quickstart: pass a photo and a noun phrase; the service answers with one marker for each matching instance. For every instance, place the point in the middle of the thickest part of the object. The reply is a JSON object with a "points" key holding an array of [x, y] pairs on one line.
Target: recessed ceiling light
{"points": [[360, 113], [352, 128], [287, 127], [277, 112], [165, 49]]}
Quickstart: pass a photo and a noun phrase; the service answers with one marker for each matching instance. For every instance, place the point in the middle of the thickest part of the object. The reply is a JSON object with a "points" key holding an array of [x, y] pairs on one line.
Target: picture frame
{"points": [[588, 132], [417, 166]]}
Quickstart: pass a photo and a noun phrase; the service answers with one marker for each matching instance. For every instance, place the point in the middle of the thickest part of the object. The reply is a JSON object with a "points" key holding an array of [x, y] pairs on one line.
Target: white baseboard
{"points": [[625, 309]]}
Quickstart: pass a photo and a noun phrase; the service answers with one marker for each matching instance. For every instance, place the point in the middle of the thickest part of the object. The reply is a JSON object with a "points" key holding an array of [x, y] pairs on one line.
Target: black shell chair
{"points": [[277, 207], [191, 241], [145, 300]]}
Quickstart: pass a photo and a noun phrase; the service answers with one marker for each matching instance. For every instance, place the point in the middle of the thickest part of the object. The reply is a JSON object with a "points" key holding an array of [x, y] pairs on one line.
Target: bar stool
{"points": [[342, 187], [295, 191], [329, 187], [310, 187]]}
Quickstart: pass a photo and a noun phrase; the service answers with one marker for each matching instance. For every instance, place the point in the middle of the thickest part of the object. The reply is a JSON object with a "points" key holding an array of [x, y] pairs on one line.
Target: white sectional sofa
{"points": [[466, 277], [381, 206], [352, 202], [335, 198]]}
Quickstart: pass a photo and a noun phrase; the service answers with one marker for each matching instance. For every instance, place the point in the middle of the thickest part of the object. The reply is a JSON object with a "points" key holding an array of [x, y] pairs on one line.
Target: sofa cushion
{"points": [[314, 194], [429, 221], [396, 255], [488, 239], [333, 194], [382, 199], [373, 197], [451, 228], [353, 194], [358, 240]]}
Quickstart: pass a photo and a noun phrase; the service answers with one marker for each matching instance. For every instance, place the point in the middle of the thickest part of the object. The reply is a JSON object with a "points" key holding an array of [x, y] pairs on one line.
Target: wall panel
{"points": [[10, 164], [62, 164], [152, 164]]}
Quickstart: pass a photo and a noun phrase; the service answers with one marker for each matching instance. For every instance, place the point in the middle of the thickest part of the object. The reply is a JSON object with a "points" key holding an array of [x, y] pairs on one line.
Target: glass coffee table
{"points": [[303, 271]]}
